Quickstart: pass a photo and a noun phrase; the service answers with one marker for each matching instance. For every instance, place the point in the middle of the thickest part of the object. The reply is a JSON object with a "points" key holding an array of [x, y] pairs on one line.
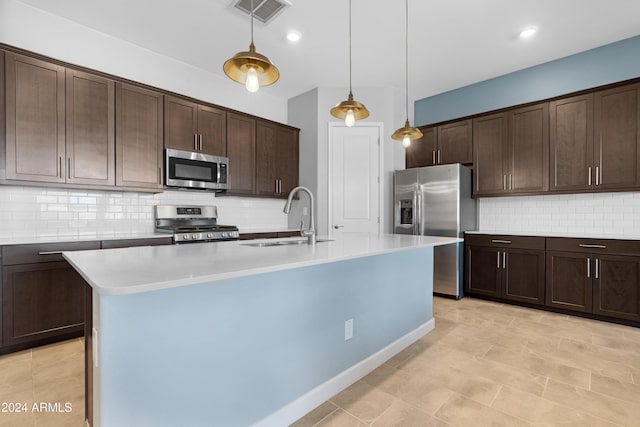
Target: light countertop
{"points": [[567, 234], [150, 268], [84, 237]]}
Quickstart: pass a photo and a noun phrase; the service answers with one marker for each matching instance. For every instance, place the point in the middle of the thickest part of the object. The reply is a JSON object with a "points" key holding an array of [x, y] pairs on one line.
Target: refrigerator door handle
{"points": [[417, 220]]}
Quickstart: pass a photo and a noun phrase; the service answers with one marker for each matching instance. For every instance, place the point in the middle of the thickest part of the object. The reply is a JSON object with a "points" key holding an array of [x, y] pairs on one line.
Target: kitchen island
{"points": [[229, 334]]}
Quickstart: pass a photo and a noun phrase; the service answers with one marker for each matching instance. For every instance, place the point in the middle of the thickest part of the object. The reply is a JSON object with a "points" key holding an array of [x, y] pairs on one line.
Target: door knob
{"points": [[338, 226]]}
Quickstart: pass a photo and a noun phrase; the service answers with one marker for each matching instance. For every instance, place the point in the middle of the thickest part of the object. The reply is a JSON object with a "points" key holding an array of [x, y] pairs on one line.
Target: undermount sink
{"points": [[284, 242]]}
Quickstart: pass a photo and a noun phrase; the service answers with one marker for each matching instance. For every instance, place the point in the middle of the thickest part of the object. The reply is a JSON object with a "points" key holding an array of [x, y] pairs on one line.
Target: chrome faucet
{"points": [[309, 233]]}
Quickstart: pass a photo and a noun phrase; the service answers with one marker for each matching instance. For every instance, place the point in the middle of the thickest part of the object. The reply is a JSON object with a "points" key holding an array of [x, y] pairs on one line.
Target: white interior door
{"points": [[354, 173]]}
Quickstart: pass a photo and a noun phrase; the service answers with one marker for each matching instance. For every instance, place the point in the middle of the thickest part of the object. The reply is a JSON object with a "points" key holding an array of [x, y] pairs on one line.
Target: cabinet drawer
{"points": [[608, 246], [129, 243], [505, 241], [251, 236], [45, 252]]}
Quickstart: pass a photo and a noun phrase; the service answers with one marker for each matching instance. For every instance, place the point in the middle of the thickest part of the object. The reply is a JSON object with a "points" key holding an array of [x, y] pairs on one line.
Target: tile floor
{"points": [[485, 364], [491, 364], [48, 374]]}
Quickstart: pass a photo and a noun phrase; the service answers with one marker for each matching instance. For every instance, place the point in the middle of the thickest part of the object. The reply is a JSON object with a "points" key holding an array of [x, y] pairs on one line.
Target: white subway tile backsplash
{"points": [[38, 211], [617, 213]]}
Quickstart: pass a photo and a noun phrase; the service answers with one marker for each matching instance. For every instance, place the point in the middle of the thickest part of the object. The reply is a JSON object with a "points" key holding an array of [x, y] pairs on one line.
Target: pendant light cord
{"points": [[406, 57], [349, 46], [252, 22]]}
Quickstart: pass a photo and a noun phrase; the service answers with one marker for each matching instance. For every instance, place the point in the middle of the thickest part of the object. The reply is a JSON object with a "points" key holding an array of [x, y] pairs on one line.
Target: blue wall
{"points": [[603, 65], [232, 352]]}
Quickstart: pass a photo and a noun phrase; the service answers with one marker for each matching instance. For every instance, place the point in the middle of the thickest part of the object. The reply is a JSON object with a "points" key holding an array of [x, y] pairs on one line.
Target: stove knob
{"points": [[209, 235], [225, 234], [194, 236]]}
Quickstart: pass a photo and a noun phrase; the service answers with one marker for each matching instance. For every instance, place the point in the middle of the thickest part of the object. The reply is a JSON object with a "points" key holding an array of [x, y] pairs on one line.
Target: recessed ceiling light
{"points": [[528, 32], [293, 36]]}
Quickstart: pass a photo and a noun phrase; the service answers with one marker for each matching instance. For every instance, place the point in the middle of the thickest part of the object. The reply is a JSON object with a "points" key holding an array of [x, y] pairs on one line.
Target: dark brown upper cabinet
{"points": [[445, 144], [455, 143], [190, 126], [528, 153], [57, 132], [139, 125], [277, 159], [617, 138], [241, 150], [571, 144], [35, 120], [511, 151], [490, 163], [595, 141], [422, 151], [90, 120]]}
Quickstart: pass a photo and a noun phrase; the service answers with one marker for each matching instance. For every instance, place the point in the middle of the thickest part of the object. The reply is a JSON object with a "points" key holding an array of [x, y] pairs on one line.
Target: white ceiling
{"points": [[453, 43]]}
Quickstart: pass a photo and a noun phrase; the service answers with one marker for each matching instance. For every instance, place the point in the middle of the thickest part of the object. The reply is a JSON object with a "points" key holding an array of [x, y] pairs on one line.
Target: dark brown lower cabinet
{"points": [[616, 291], [607, 285], [508, 267], [597, 277], [41, 301], [484, 276], [569, 284]]}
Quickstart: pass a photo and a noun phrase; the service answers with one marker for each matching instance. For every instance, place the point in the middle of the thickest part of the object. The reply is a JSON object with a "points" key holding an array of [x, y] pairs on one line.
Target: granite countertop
{"points": [[150, 268], [567, 234], [84, 237]]}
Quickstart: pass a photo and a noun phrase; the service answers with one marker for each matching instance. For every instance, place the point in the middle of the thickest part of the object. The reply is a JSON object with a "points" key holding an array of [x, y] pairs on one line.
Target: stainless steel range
{"points": [[192, 224]]}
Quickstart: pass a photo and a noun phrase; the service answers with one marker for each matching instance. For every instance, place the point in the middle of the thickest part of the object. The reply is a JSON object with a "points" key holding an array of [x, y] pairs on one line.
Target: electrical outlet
{"points": [[348, 329]]}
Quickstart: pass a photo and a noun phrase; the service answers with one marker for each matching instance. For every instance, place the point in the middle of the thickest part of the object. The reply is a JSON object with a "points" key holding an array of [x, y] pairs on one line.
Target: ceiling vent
{"points": [[263, 10]]}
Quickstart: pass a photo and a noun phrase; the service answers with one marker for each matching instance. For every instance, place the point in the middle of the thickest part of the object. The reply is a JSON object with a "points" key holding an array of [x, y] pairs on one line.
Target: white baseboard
{"points": [[308, 401]]}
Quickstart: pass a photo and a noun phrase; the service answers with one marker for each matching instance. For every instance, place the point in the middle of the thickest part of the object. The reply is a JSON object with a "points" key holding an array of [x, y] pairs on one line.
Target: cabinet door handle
{"points": [[504, 259], [589, 177], [510, 183], [69, 167], [588, 267], [433, 157], [200, 142], [498, 253], [592, 246], [159, 175], [501, 241], [50, 253], [597, 267], [195, 142], [439, 158], [504, 182], [60, 170], [598, 177], [279, 186], [276, 183]]}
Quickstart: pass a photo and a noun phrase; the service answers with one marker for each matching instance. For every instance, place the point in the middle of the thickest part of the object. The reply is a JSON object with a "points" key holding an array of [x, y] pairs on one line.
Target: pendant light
{"points": [[350, 110], [251, 68], [407, 133]]}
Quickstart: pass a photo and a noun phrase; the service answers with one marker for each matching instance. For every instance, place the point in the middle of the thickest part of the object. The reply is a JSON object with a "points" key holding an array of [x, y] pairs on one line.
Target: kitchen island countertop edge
{"points": [[150, 268]]}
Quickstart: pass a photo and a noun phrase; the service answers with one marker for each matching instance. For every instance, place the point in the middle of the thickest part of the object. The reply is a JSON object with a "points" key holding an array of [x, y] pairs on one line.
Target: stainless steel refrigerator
{"points": [[436, 201]]}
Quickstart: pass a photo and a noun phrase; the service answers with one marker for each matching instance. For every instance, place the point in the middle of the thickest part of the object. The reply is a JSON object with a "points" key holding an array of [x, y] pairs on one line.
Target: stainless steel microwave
{"points": [[196, 171]]}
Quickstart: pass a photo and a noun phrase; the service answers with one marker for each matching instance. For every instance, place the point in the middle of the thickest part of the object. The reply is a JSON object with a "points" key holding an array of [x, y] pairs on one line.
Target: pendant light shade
{"points": [[251, 68], [407, 133], [350, 110]]}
